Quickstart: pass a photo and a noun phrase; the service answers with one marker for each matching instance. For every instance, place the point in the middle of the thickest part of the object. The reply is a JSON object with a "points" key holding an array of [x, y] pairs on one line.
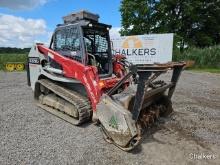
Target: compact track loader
{"points": [[78, 79]]}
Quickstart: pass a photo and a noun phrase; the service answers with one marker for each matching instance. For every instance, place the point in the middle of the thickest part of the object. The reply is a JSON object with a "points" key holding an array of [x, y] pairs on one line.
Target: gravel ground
{"points": [[29, 135]]}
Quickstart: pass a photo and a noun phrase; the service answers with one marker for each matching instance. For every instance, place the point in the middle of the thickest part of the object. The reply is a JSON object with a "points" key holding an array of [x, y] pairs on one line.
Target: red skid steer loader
{"points": [[78, 79]]}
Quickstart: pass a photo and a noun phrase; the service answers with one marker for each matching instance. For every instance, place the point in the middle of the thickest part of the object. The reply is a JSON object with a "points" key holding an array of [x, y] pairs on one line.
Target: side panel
{"points": [[34, 65], [87, 75]]}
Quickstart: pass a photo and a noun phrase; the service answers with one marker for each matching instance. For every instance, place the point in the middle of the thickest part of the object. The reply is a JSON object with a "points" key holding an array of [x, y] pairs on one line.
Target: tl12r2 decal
{"points": [[34, 60]]}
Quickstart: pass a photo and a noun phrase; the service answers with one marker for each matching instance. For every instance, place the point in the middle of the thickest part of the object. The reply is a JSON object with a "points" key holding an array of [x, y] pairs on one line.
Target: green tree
{"points": [[194, 22], [206, 31], [136, 16]]}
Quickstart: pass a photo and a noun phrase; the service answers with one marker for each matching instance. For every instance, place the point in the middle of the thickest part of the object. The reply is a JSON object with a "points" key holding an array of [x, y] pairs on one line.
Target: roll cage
{"points": [[86, 42]]}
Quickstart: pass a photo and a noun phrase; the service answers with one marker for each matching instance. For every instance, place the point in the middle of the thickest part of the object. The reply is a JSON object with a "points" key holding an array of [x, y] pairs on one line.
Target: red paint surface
{"points": [[87, 75]]}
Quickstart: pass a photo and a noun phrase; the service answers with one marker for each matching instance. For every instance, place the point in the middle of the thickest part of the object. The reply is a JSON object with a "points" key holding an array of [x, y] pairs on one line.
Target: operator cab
{"points": [[84, 39]]}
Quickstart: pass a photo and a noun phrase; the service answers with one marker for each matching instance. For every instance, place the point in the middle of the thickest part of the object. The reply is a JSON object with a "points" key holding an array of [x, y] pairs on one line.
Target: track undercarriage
{"points": [[62, 102]]}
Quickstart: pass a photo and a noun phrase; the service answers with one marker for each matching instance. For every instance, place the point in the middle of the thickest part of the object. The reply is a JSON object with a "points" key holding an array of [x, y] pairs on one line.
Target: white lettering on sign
{"points": [[145, 49]]}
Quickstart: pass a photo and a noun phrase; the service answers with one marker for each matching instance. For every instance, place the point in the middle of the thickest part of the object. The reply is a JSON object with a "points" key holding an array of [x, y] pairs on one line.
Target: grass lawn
{"points": [[4, 58]]}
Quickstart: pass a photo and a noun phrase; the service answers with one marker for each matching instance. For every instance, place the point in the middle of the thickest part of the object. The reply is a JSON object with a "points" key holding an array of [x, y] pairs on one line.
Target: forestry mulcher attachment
{"points": [[78, 79]]}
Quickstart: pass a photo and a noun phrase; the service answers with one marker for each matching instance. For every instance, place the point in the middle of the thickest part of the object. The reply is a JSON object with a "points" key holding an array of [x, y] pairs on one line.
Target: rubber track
{"points": [[81, 103]]}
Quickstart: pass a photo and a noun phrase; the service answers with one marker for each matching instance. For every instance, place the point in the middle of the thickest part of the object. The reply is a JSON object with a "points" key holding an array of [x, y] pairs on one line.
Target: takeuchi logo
{"points": [[132, 42]]}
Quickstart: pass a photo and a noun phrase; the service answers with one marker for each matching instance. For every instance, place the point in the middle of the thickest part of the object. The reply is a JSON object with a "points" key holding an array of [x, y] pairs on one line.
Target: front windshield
{"points": [[67, 39], [67, 42]]}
